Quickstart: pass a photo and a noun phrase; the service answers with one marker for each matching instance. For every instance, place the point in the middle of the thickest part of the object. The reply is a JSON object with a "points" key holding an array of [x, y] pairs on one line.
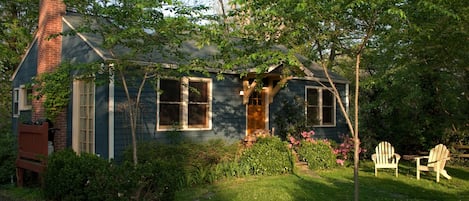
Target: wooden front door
{"points": [[256, 111]]}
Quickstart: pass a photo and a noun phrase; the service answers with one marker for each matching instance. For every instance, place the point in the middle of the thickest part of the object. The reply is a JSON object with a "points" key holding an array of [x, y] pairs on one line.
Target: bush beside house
{"points": [[165, 168], [7, 157]]}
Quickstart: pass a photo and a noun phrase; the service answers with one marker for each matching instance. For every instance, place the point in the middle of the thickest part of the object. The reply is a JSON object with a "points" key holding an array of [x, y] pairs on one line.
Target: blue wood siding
{"points": [[26, 71], [296, 89], [75, 51], [228, 116], [101, 121]]}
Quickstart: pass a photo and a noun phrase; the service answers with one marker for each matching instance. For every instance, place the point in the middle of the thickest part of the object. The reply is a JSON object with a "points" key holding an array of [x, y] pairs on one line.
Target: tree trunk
{"points": [[356, 140], [132, 117]]}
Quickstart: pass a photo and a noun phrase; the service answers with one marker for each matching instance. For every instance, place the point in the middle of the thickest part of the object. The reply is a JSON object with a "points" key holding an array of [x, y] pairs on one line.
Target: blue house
{"points": [[96, 119]]}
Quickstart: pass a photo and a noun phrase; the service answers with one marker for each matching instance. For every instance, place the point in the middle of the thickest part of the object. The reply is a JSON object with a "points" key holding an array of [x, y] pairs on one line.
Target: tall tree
{"points": [[17, 23], [327, 32], [418, 72]]}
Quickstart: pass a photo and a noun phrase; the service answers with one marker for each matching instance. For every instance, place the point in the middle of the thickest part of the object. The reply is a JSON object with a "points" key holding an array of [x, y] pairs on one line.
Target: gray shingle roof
{"points": [[74, 21]]}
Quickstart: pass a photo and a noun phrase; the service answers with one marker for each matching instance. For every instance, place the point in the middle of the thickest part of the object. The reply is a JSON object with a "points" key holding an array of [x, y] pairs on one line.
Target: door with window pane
{"points": [[83, 127], [256, 111]]}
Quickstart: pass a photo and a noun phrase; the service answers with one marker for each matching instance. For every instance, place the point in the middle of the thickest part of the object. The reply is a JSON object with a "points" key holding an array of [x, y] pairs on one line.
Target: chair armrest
{"points": [[373, 157], [397, 156], [420, 157]]}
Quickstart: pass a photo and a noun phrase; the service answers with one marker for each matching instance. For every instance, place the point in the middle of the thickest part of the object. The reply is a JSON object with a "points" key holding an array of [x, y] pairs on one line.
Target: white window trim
{"points": [[184, 81], [320, 90], [20, 98], [23, 101]]}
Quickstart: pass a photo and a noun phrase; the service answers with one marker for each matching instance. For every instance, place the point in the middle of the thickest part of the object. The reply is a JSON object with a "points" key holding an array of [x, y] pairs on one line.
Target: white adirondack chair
{"points": [[436, 162], [384, 157]]}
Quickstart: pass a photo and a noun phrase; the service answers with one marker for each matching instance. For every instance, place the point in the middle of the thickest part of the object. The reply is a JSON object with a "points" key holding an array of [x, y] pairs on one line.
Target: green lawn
{"points": [[338, 184], [334, 184]]}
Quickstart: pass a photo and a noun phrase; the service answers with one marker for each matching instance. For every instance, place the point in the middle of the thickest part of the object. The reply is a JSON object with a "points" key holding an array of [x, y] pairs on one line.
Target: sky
{"points": [[213, 4]]}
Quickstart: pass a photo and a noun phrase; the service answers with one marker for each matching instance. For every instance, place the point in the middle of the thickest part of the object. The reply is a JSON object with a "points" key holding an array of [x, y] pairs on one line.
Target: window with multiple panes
{"points": [[83, 116], [16, 102], [320, 107], [184, 103]]}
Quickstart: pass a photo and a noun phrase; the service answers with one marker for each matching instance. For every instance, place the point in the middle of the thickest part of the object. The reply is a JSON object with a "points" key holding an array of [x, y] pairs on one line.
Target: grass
{"points": [[338, 184], [10, 192]]}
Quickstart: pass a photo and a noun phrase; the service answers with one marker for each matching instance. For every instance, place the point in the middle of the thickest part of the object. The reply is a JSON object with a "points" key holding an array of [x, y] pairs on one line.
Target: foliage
{"points": [[55, 88], [418, 73], [268, 156], [88, 177], [7, 157], [112, 182], [317, 153], [345, 151], [67, 174], [18, 20], [290, 119], [197, 163]]}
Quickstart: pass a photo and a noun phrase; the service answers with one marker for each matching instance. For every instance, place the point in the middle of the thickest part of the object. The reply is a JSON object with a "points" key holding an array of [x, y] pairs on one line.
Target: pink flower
{"points": [[305, 134], [340, 161], [336, 151], [294, 141]]}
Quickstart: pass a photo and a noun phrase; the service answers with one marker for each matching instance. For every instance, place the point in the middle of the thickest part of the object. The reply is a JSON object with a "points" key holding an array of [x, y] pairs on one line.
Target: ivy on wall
{"points": [[56, 87]]}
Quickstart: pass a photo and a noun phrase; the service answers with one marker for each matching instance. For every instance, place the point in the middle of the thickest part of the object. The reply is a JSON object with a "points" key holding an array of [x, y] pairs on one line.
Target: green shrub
{"points": [[67, 175], [158, 180], [196, 163], [7, 157], [268, 156], [114, 182], [88, 177], [317, 153]]}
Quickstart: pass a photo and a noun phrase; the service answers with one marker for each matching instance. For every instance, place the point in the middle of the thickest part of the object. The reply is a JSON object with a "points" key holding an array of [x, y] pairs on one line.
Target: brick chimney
{"points": [[49, 57]]}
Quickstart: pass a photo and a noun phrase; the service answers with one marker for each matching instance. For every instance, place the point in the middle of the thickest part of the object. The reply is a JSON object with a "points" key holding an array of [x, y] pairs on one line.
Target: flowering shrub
{"points": [[345, 150], [307, 136], [317, 153], [268, 156]]}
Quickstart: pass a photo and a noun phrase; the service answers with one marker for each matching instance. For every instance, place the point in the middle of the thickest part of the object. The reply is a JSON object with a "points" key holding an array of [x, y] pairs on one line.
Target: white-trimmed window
{"points": [[184, 104], [22, 99], [320, 107], [83, 126]]}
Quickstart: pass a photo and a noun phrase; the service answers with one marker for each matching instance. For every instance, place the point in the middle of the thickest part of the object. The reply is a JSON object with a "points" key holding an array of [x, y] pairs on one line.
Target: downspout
{"points": [[111, 113], [347, 98]]}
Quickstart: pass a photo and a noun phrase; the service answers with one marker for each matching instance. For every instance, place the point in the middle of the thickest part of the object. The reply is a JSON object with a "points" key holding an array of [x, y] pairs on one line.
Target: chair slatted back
{"points": [[384, 153], [437, 153]]}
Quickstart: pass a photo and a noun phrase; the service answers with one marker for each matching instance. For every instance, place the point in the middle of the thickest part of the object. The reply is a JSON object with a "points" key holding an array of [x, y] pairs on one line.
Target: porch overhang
{"points": [[272, 83]]}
